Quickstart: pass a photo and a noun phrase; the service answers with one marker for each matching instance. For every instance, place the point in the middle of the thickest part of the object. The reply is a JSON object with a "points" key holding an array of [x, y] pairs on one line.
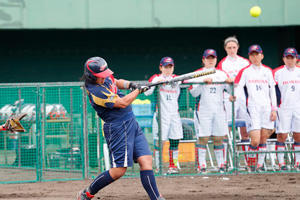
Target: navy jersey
{"points": [[103, 97]]}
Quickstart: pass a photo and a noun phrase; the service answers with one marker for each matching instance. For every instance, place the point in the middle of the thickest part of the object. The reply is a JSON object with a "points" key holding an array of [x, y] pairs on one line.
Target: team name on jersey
{"points": [[291, 82], [167, 91], [258, 81]]}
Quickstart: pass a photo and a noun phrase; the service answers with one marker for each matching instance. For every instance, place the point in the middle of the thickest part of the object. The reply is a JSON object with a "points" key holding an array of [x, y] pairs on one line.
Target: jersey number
{"points": [[293, 88], [213, 90], [258, 87], [169, 97]]}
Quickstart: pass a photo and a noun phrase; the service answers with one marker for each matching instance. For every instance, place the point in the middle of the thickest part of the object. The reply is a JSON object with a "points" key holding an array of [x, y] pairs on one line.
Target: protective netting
{"points": [[64, 138]]}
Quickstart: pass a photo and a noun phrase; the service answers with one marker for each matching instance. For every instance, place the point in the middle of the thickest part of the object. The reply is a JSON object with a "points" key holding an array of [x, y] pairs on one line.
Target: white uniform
{"points": [[261, 100], [288, 81], [232, 66], [171, 126], [210, 116]]}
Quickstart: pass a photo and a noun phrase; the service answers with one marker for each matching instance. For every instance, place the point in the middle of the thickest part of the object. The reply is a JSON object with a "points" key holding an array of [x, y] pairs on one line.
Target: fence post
{"points": [[159, 131], [85, 135], [235, 160], [38, 136]]}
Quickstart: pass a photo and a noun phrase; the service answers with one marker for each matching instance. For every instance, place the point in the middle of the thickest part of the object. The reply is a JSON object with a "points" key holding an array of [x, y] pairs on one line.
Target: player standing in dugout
{"points": [[210, 117], [124, 137], [287, 78], [261, 104], [171, 126], [232, 64]]}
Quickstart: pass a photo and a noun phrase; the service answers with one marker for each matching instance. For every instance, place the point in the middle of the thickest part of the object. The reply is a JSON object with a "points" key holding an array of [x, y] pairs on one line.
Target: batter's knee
{"points": [[117, 172], [145, 162]]}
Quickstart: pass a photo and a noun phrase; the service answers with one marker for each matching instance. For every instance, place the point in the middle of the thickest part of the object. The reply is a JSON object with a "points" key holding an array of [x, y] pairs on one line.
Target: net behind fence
{"points": [[64, 138], [51, 146]]}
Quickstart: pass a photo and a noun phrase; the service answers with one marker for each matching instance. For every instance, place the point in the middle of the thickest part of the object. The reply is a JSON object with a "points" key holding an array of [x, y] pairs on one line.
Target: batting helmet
{"points": [[96, 67]]}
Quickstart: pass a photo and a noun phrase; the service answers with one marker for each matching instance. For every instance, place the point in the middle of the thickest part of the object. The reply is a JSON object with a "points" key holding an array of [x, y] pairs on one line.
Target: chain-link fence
{"points": [[64, 138]]}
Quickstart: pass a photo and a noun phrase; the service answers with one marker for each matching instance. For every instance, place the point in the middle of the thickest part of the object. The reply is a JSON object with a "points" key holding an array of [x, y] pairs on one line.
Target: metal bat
{"points": [[185, 77]]}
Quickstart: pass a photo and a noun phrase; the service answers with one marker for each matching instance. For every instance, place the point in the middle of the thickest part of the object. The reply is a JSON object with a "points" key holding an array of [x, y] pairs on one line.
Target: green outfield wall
{"points": [[44, 14]]}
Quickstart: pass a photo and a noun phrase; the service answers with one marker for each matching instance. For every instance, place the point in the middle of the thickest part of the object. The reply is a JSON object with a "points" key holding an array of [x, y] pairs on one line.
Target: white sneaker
{"points": [[173, 170]]}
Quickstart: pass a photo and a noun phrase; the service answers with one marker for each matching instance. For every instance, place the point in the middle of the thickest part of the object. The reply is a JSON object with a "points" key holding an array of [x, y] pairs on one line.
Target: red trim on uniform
{"points": [[152, 77], [113, 86], [275, 70], [238, 77], [220, 64]]}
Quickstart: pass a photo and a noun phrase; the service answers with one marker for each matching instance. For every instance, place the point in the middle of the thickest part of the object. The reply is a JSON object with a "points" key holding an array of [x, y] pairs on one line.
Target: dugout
{"points": [[58, 55]]}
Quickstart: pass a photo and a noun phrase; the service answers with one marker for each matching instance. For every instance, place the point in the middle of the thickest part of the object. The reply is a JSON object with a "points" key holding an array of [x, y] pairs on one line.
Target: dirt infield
{"points": [[275, 186]]}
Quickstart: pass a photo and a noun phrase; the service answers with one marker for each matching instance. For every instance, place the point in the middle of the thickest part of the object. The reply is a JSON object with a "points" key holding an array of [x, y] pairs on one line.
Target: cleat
{"points": [[84, 195], [173, 170], [283, 168], [297, 167], [251, 169], [201, 170], [161, 198], [260, 169], [221, 170]]}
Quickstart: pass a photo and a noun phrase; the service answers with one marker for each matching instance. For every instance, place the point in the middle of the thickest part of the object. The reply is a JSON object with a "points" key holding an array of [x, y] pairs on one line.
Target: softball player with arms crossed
{"points": [[124, 137], [171, 126], [287, 78], [210, 116], [232, 64], [261, 104]]}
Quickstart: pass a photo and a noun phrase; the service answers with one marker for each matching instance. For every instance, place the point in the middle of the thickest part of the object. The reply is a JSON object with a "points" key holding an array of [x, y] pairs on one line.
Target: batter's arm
{"points": [[126, 100], [122, 84]]}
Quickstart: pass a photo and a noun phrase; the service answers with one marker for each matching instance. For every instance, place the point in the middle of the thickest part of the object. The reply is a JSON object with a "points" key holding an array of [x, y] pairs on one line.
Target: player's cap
{"points": [[97, 66], [166, 61], [290, 52], [255, 48], [209, 52]]}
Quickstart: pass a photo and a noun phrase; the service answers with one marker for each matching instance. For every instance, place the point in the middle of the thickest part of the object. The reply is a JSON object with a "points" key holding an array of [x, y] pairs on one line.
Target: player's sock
{"points": [[252, 156], [100, 182], [297, 155], [171, 162], [261, 156], [197, 155], [175, 158], [225, 144], [245, 147], [149, 184], [202, 155], [280, 146], [219, 155], [174, 149]]}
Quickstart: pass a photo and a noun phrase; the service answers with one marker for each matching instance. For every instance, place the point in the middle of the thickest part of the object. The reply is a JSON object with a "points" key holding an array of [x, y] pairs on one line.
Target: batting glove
{"points": [[132, 86], [143, 88]]}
